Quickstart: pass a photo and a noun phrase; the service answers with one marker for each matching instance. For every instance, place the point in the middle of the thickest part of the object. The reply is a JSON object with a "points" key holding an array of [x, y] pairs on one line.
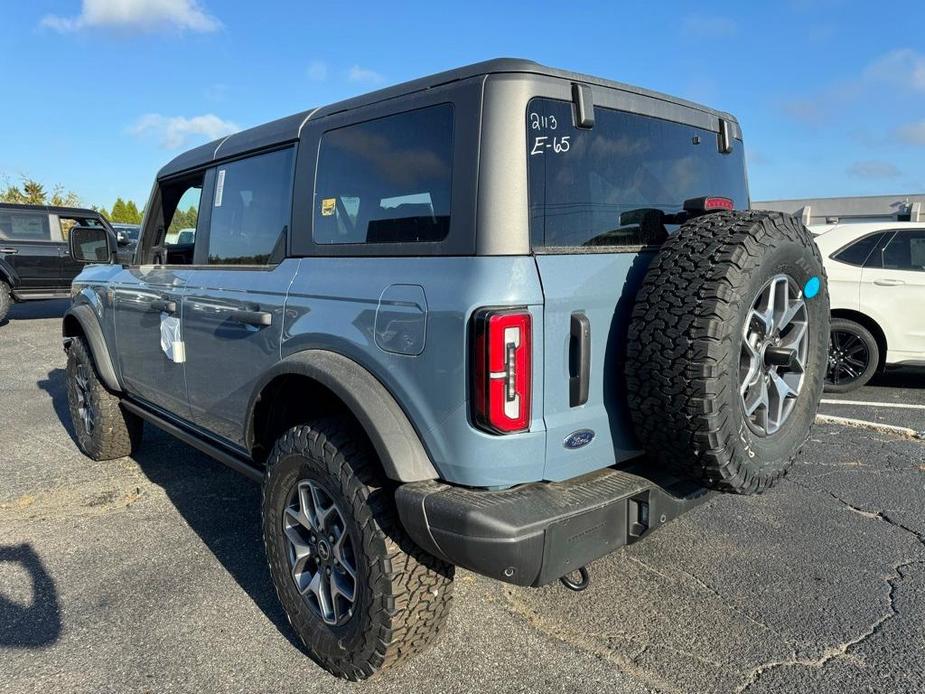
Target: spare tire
{"points": [[726, 353]]}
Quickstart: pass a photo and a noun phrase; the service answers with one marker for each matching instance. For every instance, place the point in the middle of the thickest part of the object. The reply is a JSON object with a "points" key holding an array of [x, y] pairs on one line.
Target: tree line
{"points": [[32, 192]]}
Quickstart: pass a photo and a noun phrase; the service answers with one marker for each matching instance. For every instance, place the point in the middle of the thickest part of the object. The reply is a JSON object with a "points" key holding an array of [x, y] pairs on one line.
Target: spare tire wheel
{"points": [[727, 349]]}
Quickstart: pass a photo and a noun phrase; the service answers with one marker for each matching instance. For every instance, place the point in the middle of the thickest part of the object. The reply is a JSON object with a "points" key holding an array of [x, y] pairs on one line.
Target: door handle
{"points": [[8, 251], [163, 306], [889, 282], [579, 360], [259, 318]]}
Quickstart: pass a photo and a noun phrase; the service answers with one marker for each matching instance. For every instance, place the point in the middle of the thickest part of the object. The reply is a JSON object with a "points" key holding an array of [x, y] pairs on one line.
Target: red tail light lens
{"points": [[502, 370]]}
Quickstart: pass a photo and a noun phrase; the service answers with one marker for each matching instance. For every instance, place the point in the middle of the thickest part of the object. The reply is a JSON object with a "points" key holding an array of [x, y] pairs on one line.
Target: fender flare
{"points": [[394, 438], [93, 333]]}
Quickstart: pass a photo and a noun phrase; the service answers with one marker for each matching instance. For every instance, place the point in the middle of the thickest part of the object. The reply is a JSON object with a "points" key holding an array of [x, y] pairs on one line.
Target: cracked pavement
{"points": [[147, 574]]}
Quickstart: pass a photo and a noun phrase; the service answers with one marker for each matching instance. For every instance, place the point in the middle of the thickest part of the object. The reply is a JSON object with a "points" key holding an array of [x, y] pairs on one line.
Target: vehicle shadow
{"points": [[56, 387], [900, 377], [37, 310], [221, 506], [223, 509], [35, 624]]}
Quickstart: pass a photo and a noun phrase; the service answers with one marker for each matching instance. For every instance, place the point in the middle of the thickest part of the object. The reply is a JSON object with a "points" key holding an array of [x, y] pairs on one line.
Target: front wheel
{"points": [[359, 593], [853, 356]]}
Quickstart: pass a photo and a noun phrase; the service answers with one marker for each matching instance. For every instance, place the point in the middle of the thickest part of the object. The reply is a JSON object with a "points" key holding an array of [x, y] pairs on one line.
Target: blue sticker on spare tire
{"points": [[812, 287]]}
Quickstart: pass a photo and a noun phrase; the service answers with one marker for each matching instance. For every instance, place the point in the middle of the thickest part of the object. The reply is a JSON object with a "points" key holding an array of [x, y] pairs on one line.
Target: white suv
{"points": [[877, 285]]}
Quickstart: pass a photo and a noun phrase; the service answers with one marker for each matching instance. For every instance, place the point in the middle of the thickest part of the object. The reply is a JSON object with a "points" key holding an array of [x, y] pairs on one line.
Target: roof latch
{"points": [[584, 105]]}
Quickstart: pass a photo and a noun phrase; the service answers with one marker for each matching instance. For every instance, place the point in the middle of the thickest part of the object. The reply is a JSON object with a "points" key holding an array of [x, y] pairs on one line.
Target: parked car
{"points": [[34, 260], [127, 239], [877, 284], [442, 322]]}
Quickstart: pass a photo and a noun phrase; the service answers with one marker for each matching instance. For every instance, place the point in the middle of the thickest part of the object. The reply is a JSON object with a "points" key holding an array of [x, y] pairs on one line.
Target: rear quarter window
{"points": [[858, 252], [621, 183], [387, 180]]}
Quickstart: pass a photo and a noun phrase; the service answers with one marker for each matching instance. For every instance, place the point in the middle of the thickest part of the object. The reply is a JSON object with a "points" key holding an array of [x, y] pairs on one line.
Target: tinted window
{"points": [[622, 182], [905, 251], [24, 226], [387, 180], [858, 252], [251, 209]]}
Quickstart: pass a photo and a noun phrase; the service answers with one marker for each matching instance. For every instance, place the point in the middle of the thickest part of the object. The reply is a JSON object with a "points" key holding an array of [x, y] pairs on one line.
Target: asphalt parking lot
{"points": [[147, 574]]}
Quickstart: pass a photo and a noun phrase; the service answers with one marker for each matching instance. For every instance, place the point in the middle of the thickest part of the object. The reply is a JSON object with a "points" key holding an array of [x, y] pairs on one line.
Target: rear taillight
{"points": [[502, 376]]}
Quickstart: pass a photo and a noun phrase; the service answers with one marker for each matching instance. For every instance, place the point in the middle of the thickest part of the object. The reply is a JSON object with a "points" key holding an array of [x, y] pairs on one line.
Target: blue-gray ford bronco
{"points": [[507, 318]]}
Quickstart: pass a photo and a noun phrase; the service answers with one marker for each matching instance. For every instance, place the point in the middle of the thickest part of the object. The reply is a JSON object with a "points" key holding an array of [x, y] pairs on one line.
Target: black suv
{"points": [[34, 258]]}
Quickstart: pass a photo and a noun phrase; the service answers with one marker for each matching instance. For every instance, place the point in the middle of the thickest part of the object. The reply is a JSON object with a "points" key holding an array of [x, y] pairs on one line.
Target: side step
{"points": [[533, 534]]}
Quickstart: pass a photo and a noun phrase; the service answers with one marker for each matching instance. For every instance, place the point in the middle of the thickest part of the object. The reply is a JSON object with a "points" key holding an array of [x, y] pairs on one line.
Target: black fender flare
{"points": [[397, 443], [90, 325]]}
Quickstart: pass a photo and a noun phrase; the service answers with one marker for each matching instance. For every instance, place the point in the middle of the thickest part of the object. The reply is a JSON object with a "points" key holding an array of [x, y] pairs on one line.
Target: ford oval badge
{"points": [[579, 438]]}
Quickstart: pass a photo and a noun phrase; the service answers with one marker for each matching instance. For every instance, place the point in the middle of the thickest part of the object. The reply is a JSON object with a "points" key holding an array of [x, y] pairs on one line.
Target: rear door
{"points": [[892, 292], [601, 200], [30, 249], [235, 295]]}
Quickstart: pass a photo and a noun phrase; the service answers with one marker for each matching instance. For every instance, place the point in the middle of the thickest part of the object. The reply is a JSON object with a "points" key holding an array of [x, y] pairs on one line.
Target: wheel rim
{"points": [[84, 402], [849, 357], [775, 340], [322, 561]]}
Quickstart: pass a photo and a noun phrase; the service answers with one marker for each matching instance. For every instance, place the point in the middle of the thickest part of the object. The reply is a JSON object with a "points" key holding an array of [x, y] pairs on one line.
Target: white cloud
{"points": [[912, 133], [141, 15], [317, 71], [362, 74], [172, 132], [874, 169], [709, 27], [902, 67]]}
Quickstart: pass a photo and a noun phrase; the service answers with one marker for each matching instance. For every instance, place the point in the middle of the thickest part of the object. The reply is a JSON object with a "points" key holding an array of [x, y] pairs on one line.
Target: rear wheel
{"points": [[727, 349], [359, 593], [853, 356], [5, 300]]}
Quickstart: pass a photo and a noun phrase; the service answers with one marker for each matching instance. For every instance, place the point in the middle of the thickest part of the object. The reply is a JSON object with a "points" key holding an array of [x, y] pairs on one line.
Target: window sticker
{"points": [[220, 187], [917, 252], [327, 206], [27, 227]]}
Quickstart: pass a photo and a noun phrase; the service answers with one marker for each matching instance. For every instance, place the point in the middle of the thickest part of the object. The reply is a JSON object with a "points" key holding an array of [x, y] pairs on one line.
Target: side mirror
{"points": [[121, 238], [91, 245]]}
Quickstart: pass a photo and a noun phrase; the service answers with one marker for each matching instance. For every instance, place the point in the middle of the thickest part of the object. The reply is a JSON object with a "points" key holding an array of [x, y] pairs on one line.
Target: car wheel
{"points": [[104, 430], [359, 593], [5, 300], [854, 356], [727, 347]]}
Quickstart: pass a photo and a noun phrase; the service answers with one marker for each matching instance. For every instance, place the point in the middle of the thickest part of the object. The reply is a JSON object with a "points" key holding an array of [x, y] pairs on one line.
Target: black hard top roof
{"points": [[51, 209], [287, 129]]}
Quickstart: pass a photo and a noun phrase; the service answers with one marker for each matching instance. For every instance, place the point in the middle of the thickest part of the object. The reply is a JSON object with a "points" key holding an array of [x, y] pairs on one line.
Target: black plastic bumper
{"points": [[533, 534]]}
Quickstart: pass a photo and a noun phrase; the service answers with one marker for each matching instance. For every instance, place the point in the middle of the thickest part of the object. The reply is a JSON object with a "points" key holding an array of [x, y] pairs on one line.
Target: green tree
{"points": [[131, 211], [119, 213], [33, 191]]}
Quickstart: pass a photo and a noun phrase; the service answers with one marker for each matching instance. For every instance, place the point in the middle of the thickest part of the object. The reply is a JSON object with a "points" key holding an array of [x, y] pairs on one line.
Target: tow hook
{"points": [[584, 579]]}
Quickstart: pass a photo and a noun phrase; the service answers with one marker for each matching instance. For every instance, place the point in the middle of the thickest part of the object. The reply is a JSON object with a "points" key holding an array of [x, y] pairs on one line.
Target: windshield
{"points": [[623, 183]]}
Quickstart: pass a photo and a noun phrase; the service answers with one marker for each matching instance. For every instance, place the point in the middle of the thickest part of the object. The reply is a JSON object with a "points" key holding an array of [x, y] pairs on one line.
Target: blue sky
{"points": [[98, 94]]}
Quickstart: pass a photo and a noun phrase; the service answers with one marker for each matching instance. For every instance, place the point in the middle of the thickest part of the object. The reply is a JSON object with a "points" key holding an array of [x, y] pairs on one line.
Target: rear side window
{"points": [[24, 226], [386, 180], [858, 252], [905, 251], [250, 210], [623, 182]]}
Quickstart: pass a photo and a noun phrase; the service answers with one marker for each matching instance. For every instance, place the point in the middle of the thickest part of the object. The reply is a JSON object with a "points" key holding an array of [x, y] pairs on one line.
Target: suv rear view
{"points": [[442, 322]]}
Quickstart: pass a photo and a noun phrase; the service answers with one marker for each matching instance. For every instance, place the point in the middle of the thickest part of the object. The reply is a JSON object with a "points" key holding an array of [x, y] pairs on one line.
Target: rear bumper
{"points": [[533, 534]]}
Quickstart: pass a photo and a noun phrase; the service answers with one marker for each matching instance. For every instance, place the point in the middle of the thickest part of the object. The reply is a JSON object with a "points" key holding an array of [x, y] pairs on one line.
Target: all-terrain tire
{"points": [[113, 432], [5, 300], [864, 339], [686, 340], [402, 594]]}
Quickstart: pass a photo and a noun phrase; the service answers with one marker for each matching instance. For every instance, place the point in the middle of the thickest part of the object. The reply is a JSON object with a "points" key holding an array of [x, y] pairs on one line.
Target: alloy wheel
{"points": [[849, 357], [322, 560], [775, 343]]}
